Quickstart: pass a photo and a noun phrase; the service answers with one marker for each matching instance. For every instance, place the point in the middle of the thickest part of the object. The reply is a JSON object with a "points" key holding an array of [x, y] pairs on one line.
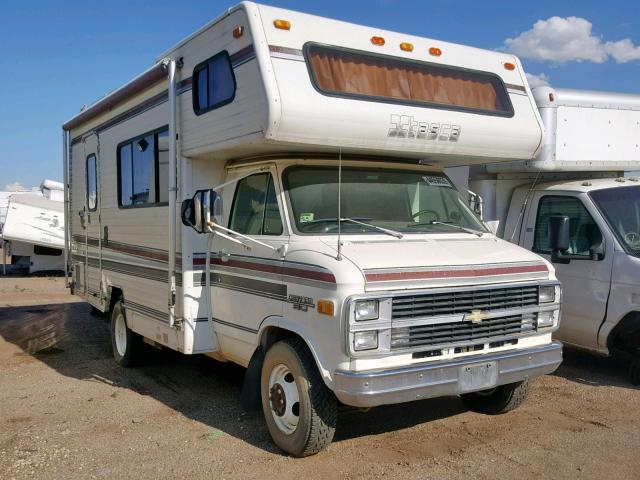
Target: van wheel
{"points": [[125, 343], [498, 400], [300, 411], [634, 370]]}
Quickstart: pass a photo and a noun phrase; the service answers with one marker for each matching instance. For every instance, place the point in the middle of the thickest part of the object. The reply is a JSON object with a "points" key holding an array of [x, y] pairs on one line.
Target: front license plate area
{"points": [[478, 377]]}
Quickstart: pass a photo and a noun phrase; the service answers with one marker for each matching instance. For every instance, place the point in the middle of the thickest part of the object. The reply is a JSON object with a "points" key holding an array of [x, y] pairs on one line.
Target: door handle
{"points": [[81, 214]]}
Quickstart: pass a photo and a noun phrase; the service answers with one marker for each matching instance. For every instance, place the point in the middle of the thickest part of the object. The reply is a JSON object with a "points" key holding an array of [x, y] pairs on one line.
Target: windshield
{"points": [[621, 208], [402, 201]]}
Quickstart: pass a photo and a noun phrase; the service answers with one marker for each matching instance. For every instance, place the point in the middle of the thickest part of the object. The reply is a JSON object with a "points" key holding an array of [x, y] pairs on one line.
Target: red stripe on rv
{"points": [[261, 267], [482, 272]]}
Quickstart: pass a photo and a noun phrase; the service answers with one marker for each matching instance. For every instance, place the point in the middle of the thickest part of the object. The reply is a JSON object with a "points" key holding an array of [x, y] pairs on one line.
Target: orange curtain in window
{"points": [[344, 72]]}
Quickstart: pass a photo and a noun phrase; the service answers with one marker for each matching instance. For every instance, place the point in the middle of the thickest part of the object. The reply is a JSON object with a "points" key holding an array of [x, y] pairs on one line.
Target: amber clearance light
{"points": [[435, 51], [282, 24], [238, 31], [509, 66], [406, 47], [377, 41]]}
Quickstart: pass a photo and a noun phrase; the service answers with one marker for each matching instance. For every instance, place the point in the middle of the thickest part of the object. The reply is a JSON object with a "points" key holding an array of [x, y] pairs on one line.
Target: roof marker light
{"points": [[435, 51], [406, 47], [509, 66], [377, 41], [282, 24], [238, 31]]}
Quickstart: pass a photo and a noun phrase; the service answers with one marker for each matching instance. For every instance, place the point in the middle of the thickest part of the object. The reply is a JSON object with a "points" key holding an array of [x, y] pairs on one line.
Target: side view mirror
{"points": [[559, 238], [204, 207], [597, 251]]}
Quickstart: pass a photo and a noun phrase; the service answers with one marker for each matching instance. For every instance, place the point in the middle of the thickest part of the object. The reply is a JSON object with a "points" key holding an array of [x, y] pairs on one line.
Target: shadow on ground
{"points": [[76, 343], [588, 369]]}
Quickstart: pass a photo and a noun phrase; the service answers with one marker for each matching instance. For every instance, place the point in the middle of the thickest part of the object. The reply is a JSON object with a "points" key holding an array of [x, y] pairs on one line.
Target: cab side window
{"points": [[584, 232], [255, 208]]}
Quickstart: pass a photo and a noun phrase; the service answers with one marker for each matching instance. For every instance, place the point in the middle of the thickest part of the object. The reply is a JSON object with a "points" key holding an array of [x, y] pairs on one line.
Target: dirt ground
{"points": [[67, 411]]}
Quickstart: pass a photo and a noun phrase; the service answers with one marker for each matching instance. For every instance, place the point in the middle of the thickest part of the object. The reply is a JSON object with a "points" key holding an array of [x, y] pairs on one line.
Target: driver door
{"points": [[585, 279]]}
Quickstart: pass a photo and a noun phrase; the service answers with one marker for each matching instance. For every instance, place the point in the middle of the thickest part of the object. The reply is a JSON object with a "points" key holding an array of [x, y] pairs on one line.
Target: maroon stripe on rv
{"points": [[275, 269], [483, 272]]}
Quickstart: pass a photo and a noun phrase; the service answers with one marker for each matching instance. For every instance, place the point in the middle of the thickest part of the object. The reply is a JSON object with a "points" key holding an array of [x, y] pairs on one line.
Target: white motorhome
{"points": [[261, 195], [33, 231], [577, 183]]}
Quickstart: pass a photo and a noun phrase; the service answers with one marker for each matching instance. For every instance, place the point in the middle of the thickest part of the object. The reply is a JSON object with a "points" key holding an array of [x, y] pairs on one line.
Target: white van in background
{"points": [[574, 206]]}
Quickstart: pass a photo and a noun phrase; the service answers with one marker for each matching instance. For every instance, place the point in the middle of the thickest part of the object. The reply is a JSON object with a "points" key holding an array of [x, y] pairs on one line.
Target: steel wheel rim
{"points": [[120, 334], [284, 400]]}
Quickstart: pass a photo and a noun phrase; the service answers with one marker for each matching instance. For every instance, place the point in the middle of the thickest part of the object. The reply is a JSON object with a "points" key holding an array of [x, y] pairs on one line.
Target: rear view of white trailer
{"points": [[271, 192]]}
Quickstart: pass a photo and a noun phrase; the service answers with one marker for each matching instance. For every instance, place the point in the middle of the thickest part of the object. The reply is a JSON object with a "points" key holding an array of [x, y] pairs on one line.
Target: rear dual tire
{"points": [[125, 343]]}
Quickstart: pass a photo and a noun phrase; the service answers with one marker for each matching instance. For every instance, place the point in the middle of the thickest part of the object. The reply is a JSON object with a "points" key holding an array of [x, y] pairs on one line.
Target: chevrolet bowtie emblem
{"points": [[475, 316]]}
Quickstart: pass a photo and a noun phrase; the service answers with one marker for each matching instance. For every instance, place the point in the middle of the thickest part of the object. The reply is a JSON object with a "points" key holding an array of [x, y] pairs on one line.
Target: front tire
{"points": [[634, 370], [300, 411], [498, 400], [125, 343]]}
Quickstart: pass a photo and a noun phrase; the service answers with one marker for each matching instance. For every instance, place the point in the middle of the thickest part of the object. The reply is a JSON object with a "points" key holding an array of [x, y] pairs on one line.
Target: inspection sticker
{"points": [[436, 181], [306, 217]]}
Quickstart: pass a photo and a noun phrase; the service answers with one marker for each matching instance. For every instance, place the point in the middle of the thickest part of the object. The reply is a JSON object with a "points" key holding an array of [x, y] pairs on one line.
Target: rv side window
{"points": [[372, 77], [255, 207], [92, 183], [143, 170], [214, 83], [584, 232]]}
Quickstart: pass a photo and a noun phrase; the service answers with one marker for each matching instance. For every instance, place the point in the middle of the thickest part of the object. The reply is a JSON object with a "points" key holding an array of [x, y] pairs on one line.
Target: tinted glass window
{"points": [[143, 168], [621, 208], [126, 176], [215, 83], [92, 183], [255, 208], [584, 232], [405, 201], [357, 74]]}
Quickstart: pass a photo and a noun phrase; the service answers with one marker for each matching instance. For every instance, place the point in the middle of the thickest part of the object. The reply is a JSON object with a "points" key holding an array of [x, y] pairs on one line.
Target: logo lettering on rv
{"points": [[406, 126]]}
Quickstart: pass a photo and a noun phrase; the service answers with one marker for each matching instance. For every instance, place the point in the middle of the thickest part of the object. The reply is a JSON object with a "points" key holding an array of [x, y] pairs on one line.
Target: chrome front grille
{"points": [[454, 333], [456, 302]]}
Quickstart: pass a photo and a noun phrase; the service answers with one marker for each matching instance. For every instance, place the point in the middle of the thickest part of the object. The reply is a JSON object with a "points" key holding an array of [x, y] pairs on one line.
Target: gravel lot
{"points": [[67, 411]]}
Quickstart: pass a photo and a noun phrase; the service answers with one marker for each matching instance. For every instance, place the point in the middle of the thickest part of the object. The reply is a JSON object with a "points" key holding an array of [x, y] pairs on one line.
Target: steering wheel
{"points": [[632, 237], [428, 211]]}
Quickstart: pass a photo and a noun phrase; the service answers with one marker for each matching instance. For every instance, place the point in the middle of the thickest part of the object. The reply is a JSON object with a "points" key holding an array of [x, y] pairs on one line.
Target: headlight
{"points": [[366, 310], [547, 294], [548, 319], [367, 340]]}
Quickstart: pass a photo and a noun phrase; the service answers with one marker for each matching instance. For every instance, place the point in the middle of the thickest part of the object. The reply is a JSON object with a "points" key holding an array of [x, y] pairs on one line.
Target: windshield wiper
{"points": [[393, 233], [459, 227]]}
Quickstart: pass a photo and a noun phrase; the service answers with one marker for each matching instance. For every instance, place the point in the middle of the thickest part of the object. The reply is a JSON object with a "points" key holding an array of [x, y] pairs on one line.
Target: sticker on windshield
{"points": [[436, 181], [306, 217]]}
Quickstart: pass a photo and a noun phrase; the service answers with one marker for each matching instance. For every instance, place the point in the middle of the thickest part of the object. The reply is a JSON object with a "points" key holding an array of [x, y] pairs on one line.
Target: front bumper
{"points": [[440, 379]]}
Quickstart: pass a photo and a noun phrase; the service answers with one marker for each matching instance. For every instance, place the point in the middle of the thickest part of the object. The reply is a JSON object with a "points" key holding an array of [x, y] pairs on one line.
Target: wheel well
{"points": [[624, 339], [115, 294], [272, 335]]}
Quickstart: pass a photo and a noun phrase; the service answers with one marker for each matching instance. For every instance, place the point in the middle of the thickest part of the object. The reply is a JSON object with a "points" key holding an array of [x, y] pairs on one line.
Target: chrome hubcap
{"points": [[284, 399], [121, 335]]}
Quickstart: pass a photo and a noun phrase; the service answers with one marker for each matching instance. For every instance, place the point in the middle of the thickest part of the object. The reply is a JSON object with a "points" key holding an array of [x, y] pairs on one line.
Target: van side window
{"points": [[143, 170], [92, 183], [584, 230], [214, 83], [255, 207]]}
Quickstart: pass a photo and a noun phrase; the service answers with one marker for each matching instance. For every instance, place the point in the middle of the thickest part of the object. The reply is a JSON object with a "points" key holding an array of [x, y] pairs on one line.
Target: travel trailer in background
{"points": [[33, 232], [271, 193], [573, 205]]}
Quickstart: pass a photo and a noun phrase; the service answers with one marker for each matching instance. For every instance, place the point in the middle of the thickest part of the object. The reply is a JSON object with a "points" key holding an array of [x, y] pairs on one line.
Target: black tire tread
{"points": [[324, 407], [505, 398]]}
